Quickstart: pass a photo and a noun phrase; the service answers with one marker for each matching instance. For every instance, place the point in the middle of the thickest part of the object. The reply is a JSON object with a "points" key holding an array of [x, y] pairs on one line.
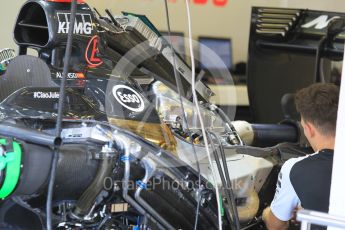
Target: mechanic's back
{"points": [[305, 181]]}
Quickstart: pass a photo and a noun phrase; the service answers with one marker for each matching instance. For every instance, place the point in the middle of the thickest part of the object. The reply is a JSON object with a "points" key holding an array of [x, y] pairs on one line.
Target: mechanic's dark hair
{"points": [[318, 104]]}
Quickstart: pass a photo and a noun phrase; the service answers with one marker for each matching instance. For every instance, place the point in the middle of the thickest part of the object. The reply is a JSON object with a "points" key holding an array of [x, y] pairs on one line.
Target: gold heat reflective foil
{"points": [[158, 134]]}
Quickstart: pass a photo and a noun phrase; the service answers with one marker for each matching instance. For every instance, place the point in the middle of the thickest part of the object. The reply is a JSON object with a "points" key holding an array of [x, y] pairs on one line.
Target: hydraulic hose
{"points": [[224, 183], [59, 119], [227, 121], [127, 172], [229, 184], [29, 135], [88, 198], [150, 170]]}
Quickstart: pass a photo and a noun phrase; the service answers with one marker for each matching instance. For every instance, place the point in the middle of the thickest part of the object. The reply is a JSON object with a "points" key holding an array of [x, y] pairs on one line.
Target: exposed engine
{"points": [[130, 156]]}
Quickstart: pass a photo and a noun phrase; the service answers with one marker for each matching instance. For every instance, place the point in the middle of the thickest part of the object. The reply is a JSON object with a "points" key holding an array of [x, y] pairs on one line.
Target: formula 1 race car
{"points": [[131, 153]]}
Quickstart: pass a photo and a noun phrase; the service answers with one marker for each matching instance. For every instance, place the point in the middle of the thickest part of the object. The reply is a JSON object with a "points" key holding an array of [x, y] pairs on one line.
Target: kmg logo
{"points": [[219, 3]]}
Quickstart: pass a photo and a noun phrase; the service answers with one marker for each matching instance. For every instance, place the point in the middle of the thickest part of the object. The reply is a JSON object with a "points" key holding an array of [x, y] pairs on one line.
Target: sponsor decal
{"points": [[71, 75], [319, 23], [91, 53], [82, 25], [46, 95], [128, 98]]}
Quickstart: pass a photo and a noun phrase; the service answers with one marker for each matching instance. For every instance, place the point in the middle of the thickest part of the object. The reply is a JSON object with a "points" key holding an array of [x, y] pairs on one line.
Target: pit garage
{"points": [[171, 114]]}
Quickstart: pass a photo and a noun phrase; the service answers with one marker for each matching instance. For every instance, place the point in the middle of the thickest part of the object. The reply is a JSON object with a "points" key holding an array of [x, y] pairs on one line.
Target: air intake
{"points": [[31, 28]]}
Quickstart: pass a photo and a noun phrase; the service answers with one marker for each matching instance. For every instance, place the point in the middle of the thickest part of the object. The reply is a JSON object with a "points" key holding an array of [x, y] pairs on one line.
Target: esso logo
{"points": [[128, 98]]}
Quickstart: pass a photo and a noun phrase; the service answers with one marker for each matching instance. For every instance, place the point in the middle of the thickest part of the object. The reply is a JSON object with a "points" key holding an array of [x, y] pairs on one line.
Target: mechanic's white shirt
{"points": [[285, 199]]}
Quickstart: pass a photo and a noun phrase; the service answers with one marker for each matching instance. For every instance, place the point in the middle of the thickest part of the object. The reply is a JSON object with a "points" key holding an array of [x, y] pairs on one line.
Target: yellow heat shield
{"points": [[158, 134]]}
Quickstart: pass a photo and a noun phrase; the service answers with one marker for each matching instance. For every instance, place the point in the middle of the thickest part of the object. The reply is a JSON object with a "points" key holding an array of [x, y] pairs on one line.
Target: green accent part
{"points": [[12, 163], [4, 160], [221, 205], [2, 67]]}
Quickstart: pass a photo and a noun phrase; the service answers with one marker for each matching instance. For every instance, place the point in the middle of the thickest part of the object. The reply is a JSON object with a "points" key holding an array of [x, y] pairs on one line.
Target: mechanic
{"points": [[305, 182]]}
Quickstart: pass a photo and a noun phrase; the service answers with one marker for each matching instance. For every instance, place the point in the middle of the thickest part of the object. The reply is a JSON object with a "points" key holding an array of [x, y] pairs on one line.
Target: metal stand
{"points": [[308, 217]]}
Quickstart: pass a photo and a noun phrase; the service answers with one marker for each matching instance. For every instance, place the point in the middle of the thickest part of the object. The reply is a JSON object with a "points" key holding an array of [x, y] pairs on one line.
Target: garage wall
{"points": [[230, 21], [8, 15]]}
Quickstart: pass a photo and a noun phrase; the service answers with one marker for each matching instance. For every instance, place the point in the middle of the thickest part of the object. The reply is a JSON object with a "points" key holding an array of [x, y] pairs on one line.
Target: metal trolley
{"points": [[308, 217]]}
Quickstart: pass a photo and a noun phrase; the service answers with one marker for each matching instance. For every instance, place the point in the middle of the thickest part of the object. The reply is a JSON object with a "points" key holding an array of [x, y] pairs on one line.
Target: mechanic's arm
{"points": [[272, 222], [285, 200]]}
